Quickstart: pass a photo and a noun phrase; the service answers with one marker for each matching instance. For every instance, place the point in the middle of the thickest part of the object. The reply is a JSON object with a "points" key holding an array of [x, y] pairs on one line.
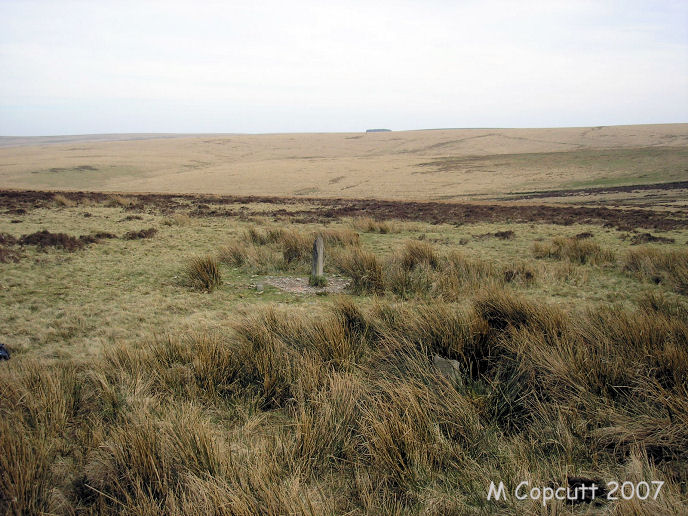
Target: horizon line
{"points": [[363, 131]]}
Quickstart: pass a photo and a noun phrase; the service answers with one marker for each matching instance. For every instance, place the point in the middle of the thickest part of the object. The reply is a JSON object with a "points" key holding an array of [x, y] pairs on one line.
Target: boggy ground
{"points": [[17, 202], [149, 375]]}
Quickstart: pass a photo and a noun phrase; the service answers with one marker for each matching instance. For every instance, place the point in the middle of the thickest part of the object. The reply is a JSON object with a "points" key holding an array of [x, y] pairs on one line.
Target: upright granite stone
{"points": [[318, 257]]}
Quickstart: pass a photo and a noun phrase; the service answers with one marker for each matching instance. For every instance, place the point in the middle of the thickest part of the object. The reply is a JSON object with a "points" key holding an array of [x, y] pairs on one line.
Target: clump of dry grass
{"points": [[417, 253], [520, 272], [45, 238], [64, 201], [647, 238], [256, 236], [140, 234], [296, 247], [7, 239], [575, 250], [341, 237], [459, 272], [422, 271], [332, 237], [502, 235], [405, 282], [234, 254], [177, 219], [659, 302], [566, 272], [260, 246], [419, 271], [257, 259], [203, 273], [119, 201], [370, 225], [364, 269], [659, 266], [8, 255], [340, 410], [96, 237], [317, 281], [430, 328], [503, 310]]}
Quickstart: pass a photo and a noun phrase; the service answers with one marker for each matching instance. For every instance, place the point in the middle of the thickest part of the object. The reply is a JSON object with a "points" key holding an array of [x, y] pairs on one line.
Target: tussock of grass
{"points": [[659, 302], [647, 238], [502, 235], [659, 266], [140, 234], [8, 255], [502, 310], [234, 254], [417, 253], [7, 239], [520, 272], [317, 281], [370, 225], [364, 269], [62, 200], [334, 405], [119, 201], [296, 247], [340, 237], [258, 259], [567, 272], [575, 250], [419, 271], [422, 272], [177, 219], [96, 237], [342, 411], [45, 238], [459, 273], [257, 237], [405, 282], [203, 273]]}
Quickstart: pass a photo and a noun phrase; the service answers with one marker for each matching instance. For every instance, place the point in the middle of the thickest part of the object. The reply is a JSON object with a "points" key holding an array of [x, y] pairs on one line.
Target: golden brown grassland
{"points": [[419, 165], [149, 375]]}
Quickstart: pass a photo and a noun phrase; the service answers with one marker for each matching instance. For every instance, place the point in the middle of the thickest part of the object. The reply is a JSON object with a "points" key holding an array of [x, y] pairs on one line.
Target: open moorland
{"points": [[453, 164], [170, 356]]}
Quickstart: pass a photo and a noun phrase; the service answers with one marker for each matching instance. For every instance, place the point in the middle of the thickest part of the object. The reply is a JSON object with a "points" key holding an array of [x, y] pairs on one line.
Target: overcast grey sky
{"points": [[69, 67]]}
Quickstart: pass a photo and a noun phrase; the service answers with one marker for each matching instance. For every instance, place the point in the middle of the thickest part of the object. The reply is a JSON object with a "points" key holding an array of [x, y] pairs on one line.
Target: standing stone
{"points": [[318, 257]]}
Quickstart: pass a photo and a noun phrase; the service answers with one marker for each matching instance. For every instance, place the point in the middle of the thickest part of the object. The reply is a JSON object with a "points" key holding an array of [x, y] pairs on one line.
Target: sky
{"points": [[115, 66]]}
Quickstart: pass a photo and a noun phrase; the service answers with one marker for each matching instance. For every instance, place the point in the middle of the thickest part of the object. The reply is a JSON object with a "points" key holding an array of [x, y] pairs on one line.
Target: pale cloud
{"points": [[77, 67]]}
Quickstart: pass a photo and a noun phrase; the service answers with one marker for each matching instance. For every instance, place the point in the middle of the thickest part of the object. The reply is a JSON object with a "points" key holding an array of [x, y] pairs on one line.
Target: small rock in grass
{"points": [[447, 367]]}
